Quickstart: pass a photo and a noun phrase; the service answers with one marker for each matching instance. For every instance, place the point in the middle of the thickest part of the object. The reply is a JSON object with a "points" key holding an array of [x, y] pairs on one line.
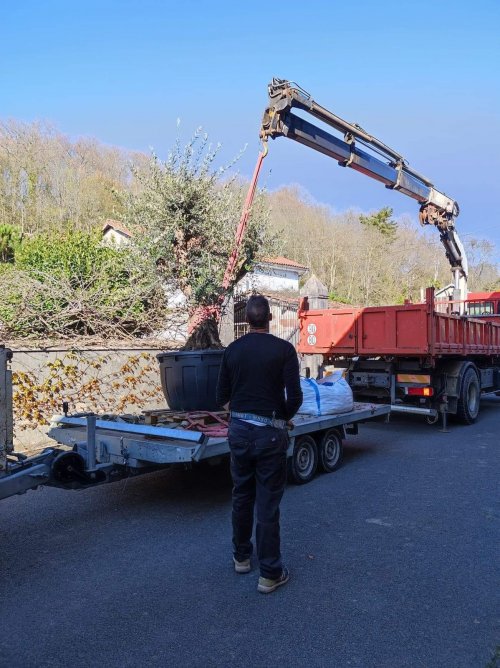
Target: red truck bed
{"points": [[406, 330]]}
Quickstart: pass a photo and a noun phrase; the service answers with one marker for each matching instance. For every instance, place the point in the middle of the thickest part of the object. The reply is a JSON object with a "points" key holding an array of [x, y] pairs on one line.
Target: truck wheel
{"points": [[330, 451], [468, 401], [303, 463]]}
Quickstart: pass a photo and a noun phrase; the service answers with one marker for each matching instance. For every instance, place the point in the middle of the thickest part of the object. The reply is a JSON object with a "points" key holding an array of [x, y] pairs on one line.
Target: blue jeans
{"points": [[258, 469]]}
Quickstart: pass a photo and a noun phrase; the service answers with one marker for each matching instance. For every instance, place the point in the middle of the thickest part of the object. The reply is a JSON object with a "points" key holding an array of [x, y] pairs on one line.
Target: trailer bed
{"points": [[140, 444]]}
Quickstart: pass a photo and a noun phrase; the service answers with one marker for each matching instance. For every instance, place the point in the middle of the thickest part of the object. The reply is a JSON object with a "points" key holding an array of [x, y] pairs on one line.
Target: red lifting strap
{"points": [[242, 225], [202, 313]]}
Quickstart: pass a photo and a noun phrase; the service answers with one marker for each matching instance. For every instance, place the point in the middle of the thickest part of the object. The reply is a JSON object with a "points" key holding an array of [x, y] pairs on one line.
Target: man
{"points": [[259, 378]]}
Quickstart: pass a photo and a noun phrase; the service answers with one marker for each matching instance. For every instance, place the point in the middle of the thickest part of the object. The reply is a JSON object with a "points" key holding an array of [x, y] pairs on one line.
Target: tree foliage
{"points": [[67, 285], [10, 239], [370, 259], [49, 182], [382, 222], [184, 216]]}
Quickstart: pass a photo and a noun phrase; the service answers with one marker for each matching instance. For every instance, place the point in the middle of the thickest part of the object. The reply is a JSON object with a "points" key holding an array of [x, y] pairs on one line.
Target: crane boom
{"points": [[382, 163]]}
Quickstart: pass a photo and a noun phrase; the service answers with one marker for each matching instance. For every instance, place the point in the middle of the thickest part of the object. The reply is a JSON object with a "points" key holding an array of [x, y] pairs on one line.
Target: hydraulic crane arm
{"points": [[382, 163]]}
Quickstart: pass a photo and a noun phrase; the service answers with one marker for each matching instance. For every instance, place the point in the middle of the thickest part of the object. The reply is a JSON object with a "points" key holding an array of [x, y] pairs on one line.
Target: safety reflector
{"points": [[420, 391], [424, 379]]}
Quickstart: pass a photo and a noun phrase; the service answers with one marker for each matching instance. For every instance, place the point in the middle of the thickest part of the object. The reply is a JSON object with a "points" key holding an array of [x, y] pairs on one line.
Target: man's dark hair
{"points": [[257, 311]]}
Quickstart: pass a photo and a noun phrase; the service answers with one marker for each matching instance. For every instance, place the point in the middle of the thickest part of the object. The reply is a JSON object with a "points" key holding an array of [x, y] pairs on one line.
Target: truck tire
{"points": [[468, 401], [303, 462], [330, 451]]}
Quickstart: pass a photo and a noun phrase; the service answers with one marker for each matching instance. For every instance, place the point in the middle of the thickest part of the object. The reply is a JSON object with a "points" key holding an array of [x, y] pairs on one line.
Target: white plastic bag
{"points": [[331, 394]]}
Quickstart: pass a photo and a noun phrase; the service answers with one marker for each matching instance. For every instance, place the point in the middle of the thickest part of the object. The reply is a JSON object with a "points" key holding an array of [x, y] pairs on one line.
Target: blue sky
{"points": [[422, 77]]}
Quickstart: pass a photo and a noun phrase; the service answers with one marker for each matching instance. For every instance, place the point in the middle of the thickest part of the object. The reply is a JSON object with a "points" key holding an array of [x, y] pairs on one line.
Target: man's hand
{"points": [[289, 425]]}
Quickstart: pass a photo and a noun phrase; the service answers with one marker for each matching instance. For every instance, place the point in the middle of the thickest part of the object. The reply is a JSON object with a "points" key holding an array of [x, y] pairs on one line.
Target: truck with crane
{"points": [[427, 358]]}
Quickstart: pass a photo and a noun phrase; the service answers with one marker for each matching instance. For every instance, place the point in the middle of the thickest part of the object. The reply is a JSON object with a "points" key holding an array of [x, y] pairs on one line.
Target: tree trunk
{"points": [[205, 336]]}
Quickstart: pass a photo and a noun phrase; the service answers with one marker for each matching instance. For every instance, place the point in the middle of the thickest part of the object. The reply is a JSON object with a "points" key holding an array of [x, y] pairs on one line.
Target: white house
{"points": [[114, 232], [278, 279]]}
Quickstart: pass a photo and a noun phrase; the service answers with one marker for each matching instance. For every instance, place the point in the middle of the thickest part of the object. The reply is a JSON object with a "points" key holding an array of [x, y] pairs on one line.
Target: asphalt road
{"points": [[393, 560]]}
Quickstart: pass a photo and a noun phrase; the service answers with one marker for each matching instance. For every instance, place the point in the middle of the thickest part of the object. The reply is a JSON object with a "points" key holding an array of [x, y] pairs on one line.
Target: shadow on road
{"points": [[200, 484], [354, 450], [489, 403]]}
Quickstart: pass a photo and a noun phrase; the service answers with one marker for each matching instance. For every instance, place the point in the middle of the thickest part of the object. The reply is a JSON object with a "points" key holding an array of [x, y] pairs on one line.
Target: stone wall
{"points": [[101, 380]]}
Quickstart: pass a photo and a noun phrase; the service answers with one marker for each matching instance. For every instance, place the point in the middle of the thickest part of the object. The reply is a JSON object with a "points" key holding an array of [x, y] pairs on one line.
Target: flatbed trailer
{"points": [[98, 451], [421, 358]]}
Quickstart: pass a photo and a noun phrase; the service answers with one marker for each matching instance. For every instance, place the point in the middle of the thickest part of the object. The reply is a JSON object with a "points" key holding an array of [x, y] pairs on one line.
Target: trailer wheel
{"points": [[68, 467], [468, 401], [330, 451], [303, 462]]}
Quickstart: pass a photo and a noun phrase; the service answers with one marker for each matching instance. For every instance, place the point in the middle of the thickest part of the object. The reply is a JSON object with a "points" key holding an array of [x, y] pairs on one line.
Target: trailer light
{"points": [[420, 391], [413, 378]]}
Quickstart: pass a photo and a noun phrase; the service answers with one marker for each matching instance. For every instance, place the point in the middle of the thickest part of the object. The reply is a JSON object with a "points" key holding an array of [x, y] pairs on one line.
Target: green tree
{"points": [[71, 284], [381, 221], [10, 238], [184, 218]]}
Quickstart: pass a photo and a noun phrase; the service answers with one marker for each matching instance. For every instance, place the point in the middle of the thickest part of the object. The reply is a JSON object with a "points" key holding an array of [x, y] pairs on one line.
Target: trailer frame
{"points": [[99, 451]]}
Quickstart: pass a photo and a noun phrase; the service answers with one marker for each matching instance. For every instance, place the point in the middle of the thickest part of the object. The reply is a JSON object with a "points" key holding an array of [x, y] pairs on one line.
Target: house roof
{"points": [[285, 296], [117, 226], [284, 262]]}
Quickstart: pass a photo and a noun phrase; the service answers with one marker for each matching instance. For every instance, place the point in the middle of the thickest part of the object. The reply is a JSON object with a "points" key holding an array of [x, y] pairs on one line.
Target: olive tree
{"points": [[184, 217]]}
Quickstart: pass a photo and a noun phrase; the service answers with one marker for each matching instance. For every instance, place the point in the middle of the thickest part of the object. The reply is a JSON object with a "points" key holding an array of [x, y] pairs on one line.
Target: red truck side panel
{"points": [[477, 337], [392, 330], [448, 334], [327, 329], [405, 330], [495, 338]]}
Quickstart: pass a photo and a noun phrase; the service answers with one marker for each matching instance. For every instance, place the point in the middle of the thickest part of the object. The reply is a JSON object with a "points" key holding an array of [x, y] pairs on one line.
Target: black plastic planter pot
{"points": [[189, 378]]}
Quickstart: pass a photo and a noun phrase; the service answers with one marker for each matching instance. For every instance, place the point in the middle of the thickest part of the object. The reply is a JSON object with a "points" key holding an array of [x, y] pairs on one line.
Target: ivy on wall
{"points": [[89, 383]]}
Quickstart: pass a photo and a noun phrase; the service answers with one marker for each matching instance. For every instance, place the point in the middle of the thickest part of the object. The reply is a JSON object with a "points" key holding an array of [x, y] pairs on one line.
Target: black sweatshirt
{"points": [[255, 372]]}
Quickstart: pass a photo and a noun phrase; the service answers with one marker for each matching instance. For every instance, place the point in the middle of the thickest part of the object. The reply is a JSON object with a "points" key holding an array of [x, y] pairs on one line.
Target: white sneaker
{"points": [[266, 585], [242, 566]]}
